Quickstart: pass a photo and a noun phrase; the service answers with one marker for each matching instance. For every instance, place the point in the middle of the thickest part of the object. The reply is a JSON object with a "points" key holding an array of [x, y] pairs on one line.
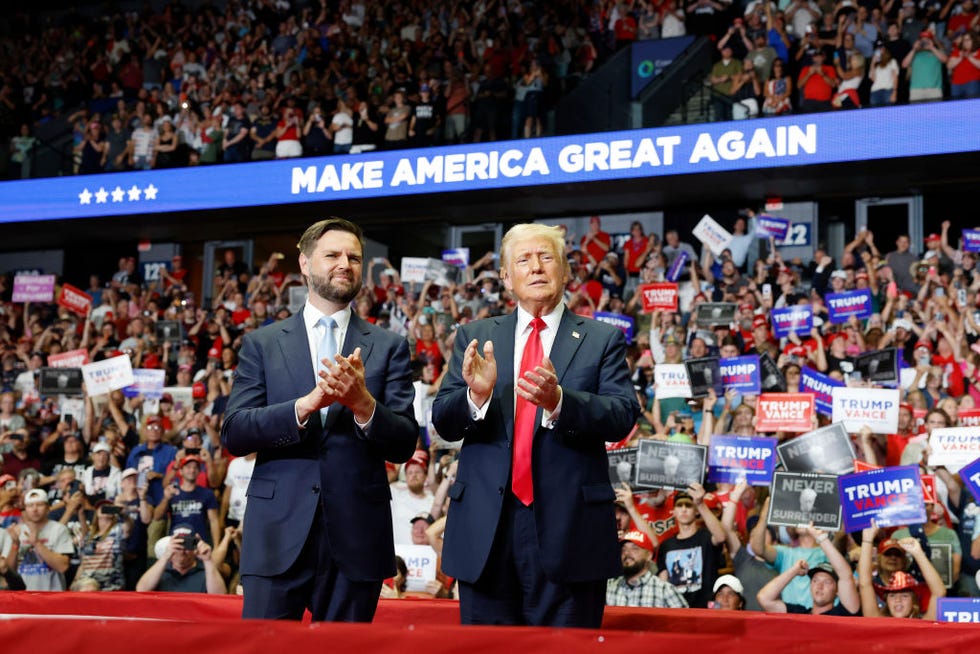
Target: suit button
{"points": [[316, 489], [500, 490]]}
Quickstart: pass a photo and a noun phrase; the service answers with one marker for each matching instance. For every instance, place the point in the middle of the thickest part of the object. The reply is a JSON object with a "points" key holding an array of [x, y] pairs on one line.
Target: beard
{"points": [[331, 292], [633, 568]]}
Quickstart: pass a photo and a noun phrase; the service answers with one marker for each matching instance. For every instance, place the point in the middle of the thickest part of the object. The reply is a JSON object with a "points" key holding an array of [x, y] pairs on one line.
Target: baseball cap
{"points": [[190, 458], [182, 529], [760, 321], [199, 391], [823, 567], [931, 237], [36, 496], [167, 397], [101, 447], [130, 472], [731, 581], [903, 324], [422, 516], [6, 479], [638, 538], [683, 496], [838, 274], [890, 544], [154, 420], [923, 342], [420, 458]]}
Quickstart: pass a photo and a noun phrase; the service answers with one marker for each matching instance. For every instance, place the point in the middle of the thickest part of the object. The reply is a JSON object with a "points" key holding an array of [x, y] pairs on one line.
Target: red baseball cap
{"points": [[638, 538]]}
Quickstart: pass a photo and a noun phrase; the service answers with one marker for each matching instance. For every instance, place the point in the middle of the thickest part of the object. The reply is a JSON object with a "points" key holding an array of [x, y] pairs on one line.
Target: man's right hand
{"points": [[479, 372]]}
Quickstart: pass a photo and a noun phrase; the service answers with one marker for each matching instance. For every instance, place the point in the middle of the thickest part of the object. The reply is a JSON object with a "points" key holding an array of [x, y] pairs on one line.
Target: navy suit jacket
{"points": [[573, 498], [336, 464]]}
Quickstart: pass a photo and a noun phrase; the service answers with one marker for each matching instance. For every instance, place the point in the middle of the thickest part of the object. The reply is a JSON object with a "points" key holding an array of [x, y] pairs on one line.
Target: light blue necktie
{"points": [[326, 349]]}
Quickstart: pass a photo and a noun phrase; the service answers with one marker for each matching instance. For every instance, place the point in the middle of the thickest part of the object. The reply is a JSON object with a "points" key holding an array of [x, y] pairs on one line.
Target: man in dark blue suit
{"points": [[531, 532], [325, 398]]}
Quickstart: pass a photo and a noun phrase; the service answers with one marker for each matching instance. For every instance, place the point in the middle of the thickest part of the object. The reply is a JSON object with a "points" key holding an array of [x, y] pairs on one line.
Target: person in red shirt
{"points": [[596, 243], [287, 134], [817, 82], [635, 252], [964, 67]]}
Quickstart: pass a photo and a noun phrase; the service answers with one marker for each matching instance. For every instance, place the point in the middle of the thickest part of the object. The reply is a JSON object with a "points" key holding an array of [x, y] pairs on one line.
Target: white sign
{"points": [[671, 380], [414, 269], [107, 375], [713, 235], [297, 298], [875, 407], [421, 563], [183, 396], [74, 407], [954, 447]]}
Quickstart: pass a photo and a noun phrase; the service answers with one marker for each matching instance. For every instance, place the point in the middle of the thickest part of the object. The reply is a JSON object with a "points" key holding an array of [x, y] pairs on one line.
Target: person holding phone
{"points": [[186, 502], [102, 548], [183, 565]]}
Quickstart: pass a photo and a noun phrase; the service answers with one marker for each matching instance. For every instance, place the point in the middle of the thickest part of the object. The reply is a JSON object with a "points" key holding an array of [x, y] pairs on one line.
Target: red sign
{"points": [[75, 299], [969, 417], [784, 412], [69, 359], [661, 296], [863, 466]]}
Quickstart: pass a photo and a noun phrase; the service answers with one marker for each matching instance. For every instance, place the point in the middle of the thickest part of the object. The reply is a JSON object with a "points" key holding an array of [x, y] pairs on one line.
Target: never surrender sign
{"points": [[784, 412], [842, 306], [664, 464], [731, 458], [858, 407], [797, 318], [741, 374], [801, 498], [892, 497], [827, 450], [661, 296]]}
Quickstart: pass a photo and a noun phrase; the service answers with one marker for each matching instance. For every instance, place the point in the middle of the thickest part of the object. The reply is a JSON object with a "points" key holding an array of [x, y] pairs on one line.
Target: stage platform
{"points": [[172, 623]]}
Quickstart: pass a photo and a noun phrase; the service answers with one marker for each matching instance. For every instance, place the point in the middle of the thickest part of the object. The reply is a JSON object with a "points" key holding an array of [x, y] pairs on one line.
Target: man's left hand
{"points": [[343, 382], [540, 386]]}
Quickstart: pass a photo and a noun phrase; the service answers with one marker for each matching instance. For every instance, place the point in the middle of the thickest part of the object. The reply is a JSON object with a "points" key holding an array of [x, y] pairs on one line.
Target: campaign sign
{"points": [[671, 380], [713, 235], [147, 382], [827, 450], [878, 366], [622, 466], [414, 269], [107, 375], [842, 306], [625, 324], [33, 288], [796, 318], [958, 609], [741, 374], [661, 296], [969, 417], [711, 314], [953, 447], [421, 563], [704, 374], [784, 412], [676, 266], [60, 381], [666, 464], [799, 498], [169, 330], [752, 458], [69, 359], [183, 396], [970, 474], [75, 299], [892, 497], [971, 240], [771, 227], [859, 406], [822, 386], [772, 377], [941, 556], [297, 298], [459, 257]]}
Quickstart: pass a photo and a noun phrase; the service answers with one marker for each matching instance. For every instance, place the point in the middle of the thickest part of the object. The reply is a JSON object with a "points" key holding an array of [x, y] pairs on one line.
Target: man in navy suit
{"points": [[531, 530], [317, 530]]}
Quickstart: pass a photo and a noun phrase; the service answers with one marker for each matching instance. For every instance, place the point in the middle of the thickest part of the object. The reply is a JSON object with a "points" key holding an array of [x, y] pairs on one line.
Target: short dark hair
{"points": [[307, 242]]}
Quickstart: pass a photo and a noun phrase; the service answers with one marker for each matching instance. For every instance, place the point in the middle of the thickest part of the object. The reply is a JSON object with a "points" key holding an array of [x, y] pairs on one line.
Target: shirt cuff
{"points": [[367, 425], [300, 424], [548, 420], [478, 413]]}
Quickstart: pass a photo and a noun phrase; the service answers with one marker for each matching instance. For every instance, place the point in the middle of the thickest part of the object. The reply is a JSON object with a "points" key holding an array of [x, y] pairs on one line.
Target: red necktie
{"points": [[524, 416]]}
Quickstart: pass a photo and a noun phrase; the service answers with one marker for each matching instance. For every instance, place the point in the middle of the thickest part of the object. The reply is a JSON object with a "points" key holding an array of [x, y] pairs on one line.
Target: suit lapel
{"points": [[571, 334], [503, 335], [295, 348]]}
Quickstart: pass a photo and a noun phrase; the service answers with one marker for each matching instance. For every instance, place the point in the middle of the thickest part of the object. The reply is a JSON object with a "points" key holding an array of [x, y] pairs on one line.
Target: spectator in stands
{"points": [[316, 134], [101, 480], [639, 586], [187, 503], [142, 143], [832, 589], [410, 498], [691, 559], [925, 68], [342, 127], [722, 77], [183, 565], [729, 594], [43, 547], [884, 79], [152, 456], [964, 66], [102, 547], [900, 597], [778, 91], [817, 83]]}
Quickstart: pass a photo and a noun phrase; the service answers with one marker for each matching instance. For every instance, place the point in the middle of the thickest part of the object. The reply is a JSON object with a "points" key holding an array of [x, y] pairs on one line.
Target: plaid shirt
{"points": [[649, 591]]}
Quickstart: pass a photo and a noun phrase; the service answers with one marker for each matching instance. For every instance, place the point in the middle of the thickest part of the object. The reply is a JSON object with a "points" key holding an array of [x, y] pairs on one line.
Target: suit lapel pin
{"points": [[575, 335]]}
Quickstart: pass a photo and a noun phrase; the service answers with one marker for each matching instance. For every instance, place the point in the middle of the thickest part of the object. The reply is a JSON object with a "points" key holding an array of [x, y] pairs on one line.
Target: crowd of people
{"points": [[126, 491], [257, 79]]}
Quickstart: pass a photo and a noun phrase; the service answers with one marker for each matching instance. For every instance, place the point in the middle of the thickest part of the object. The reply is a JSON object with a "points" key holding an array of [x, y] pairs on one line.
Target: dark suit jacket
{"points": [[336, 464], [573, 498]]}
